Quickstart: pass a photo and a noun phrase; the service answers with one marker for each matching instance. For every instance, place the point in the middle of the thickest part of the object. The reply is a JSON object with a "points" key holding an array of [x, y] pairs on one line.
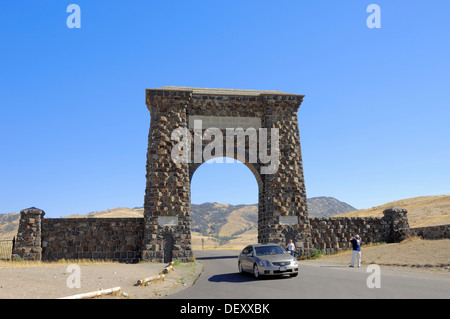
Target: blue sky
{"points": [[374, 124]]}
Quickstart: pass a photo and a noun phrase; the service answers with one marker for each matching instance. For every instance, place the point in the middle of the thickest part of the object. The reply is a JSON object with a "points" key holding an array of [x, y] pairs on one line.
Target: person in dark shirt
{"points": [[356, 253]]}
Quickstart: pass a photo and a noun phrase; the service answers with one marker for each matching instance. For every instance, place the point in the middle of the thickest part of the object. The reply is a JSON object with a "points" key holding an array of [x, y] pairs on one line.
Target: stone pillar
{"points": [[28, 240], [286, 208], [398, 224], [167, 195]]}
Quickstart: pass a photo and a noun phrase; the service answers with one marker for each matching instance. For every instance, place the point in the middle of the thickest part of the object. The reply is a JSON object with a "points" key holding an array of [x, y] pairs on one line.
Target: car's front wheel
{"points": [[256, 271]]}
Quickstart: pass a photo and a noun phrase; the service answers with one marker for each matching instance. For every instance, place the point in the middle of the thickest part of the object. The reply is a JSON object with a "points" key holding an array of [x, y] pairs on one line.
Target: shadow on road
{"points": [[216, 257], [245, 277], [230, 277]]}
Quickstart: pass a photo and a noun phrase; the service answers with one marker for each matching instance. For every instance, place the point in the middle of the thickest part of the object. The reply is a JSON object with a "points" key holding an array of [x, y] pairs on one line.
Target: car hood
{"points": [[276, 258]]}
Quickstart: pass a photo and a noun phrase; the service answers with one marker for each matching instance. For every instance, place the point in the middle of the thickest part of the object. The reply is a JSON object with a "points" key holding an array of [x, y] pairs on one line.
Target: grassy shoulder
{"points": [[413, 252]]}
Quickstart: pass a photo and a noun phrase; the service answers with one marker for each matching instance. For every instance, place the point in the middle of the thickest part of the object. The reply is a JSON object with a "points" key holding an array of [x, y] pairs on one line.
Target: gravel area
{"points": [[49, 280], [41, 280]]}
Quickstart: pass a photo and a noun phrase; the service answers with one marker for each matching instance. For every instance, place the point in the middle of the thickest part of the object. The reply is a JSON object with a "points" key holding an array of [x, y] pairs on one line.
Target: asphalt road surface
{"points": [[220, 280]]}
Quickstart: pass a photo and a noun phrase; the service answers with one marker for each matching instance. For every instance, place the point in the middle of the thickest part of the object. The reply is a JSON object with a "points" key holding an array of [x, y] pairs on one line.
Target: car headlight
{"points": [[295, 262], [264, 263]]}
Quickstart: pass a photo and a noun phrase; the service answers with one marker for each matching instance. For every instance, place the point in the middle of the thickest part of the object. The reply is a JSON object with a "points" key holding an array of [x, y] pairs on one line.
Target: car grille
{"points": [[281, 263], [281, 272]]}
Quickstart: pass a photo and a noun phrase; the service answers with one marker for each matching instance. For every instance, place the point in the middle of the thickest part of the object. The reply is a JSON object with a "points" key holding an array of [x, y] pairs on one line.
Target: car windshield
{"points": [[269, 250]]}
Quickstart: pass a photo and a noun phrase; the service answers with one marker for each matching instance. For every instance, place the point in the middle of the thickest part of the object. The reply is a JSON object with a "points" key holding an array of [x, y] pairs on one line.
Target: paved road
{"points": [[220, 280]]}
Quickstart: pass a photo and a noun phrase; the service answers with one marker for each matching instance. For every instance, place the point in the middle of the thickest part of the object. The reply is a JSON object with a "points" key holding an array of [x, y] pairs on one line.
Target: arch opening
{"points": [[224, 204]]}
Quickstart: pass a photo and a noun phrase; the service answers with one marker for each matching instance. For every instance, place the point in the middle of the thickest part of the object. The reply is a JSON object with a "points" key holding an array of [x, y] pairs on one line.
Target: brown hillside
{"points": [[422, 211], [120, 212], [9, 223], [236, 221]]}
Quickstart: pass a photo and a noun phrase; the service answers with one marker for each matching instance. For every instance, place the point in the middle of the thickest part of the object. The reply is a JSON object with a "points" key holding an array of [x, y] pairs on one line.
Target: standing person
{"points": [[356, 253], [291, 247]]}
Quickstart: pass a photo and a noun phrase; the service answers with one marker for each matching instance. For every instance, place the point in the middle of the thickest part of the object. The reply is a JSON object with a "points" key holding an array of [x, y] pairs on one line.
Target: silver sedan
{"points": [[267, 259]]}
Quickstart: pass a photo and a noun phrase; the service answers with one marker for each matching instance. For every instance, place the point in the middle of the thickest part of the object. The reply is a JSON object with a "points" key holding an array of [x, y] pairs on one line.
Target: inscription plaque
{"points": [[223, 122], [167, 221], [288, 220]]}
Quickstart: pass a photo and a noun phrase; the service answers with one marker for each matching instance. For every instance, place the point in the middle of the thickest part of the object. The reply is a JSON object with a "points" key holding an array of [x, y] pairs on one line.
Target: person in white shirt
{"points": [[291, 247]]}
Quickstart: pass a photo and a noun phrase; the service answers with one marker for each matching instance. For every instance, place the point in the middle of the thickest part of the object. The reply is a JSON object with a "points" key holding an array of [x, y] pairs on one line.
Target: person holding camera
{"points": [[356, 253]]}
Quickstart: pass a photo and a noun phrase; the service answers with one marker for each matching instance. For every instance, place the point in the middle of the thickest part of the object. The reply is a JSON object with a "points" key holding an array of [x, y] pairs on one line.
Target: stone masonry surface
{"points": [[117, 239], [28, 240]]}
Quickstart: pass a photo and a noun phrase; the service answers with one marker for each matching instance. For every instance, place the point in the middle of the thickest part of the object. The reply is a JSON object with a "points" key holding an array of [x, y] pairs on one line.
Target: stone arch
{"points": [[282, 195]]}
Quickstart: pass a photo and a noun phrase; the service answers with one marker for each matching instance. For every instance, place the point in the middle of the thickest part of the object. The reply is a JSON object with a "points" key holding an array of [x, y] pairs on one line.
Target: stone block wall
{"points": [[333, 234], [122, 239], [116, 239], [181, 238], [432, 232], [397, 219]]}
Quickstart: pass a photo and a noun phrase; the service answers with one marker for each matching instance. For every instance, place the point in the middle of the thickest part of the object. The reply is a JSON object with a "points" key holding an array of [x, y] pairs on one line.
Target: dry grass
{"points": [[413, 252], [5, 249], [236, 221], [209, 242], [248, 237], [119, 212], [422, 211]]}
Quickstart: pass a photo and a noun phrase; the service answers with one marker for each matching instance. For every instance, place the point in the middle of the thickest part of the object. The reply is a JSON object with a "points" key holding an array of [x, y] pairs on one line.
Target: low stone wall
{"points": [[333, 234], [117, 239], [122, 239], [432, 232]]}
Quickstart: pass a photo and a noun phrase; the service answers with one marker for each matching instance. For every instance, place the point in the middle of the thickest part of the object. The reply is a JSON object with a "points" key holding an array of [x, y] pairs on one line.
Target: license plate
{"points": [[283, 268]]}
